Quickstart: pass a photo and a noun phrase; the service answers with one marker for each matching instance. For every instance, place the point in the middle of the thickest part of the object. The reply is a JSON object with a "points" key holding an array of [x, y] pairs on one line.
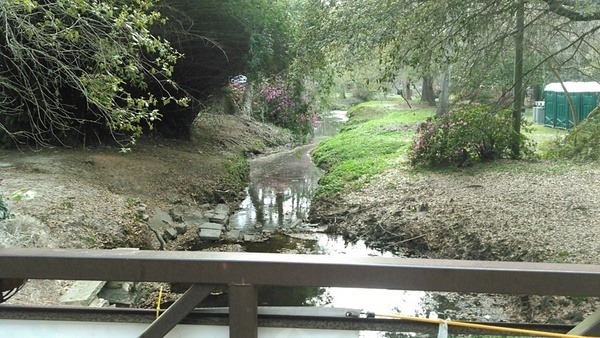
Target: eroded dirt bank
{"points": [[529, 212], [532, 212], [90, 198]]}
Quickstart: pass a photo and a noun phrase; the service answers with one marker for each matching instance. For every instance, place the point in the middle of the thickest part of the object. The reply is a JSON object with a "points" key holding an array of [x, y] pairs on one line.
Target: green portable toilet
{"points": [[558, 114], [589, 102], [564, 114], [549, 109]]}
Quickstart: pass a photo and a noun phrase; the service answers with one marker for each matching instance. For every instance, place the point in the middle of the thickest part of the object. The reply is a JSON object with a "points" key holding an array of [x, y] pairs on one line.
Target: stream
{"points": [[277, 203]]}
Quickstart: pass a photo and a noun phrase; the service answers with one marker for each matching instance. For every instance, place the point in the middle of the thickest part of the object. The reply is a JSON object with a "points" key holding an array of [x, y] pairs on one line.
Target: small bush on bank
{"points": [[467, 134], [362, 93], [580, 144]]}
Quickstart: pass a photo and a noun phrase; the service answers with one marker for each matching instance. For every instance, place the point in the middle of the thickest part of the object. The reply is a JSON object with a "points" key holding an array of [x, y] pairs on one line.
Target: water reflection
{"points": [[282, 184], [279, 197], [330, 124], [280, 191]]}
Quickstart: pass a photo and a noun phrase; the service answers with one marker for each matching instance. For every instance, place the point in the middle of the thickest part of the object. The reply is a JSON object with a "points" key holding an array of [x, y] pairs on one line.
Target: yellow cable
{"points": [[158, 303], [482, 326]]}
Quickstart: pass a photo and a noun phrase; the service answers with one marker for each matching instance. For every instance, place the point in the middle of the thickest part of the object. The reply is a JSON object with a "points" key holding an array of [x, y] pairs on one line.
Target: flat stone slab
{"points": [[233, 235], [249, 238], [196, 218], [100, 302], [118, 285], [222, 208], [122, 297], [170, 233], [155, 223], [159, 220], [164, 216], [82, 293], [210, 234], [218, 217], [211, 226], [181, 228], [296, 223]]}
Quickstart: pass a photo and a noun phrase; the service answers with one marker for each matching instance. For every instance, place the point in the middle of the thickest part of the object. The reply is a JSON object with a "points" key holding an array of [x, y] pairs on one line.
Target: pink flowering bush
{"points": [[467, 134], [286, 105]]}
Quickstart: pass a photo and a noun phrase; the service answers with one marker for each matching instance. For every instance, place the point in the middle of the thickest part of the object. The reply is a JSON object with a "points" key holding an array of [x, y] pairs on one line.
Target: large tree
{"points": [[472, 36], [76, 71], [81, 70]]}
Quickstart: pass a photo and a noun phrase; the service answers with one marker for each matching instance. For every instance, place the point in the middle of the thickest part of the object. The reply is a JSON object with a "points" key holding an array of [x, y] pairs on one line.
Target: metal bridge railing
{"points": [[243, 271]]}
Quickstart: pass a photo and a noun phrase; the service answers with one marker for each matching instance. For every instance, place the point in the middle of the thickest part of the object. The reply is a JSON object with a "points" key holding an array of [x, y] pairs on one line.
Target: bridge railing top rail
{"points": [[302, 270]]}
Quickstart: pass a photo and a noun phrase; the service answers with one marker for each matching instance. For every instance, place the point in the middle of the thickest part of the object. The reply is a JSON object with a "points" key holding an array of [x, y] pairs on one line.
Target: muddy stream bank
{"points": [[273, 218], [539, 211], [534, 212]]}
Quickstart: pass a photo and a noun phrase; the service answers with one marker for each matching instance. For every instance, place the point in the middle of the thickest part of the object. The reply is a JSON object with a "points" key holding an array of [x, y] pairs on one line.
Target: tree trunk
{"points": [[343, 91], [427, 94], [444, 98], [518, 88], [406, 91], [536, 93], [246, 108]]}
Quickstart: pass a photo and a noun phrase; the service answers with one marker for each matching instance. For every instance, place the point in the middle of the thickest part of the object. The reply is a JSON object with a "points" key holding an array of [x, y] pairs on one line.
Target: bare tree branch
{"points": [[566, 8]]}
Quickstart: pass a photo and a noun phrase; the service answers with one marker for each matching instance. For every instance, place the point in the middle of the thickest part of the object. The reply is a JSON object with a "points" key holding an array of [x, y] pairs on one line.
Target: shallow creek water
{"points": [[278, 198], [272, 220]]}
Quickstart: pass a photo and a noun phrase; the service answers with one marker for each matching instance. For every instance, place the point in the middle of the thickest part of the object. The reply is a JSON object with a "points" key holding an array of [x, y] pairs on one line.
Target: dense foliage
{"points": [[77, 72], [467, 134], [474, 37], [480, 51], [72, 69], [263, 34], [285, 104], [580, 144], [224, 38]]}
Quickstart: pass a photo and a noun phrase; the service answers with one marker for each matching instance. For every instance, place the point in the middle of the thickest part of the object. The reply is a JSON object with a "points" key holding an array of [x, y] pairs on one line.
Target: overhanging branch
{"points": [[564, 9]]}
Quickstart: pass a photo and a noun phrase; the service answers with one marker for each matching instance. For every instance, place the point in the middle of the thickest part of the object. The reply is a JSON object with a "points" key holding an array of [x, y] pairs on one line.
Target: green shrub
{"points": [[467, 134], [362, 93], [580, 144], [19, 195]]}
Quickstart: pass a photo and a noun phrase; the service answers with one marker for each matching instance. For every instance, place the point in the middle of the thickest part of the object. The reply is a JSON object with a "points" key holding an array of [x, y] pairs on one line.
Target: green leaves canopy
{"points": [[67, 66], [474, 36]]}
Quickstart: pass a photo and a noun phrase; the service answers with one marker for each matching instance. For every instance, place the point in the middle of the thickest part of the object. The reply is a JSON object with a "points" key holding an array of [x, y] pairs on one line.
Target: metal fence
{"points": [[244, 271]]}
